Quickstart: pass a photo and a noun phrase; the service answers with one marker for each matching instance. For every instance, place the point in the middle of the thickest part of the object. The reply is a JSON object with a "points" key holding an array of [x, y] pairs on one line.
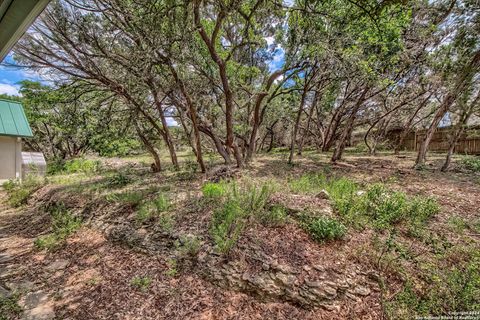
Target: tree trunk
{"points": [[408, 125], [468, 71], [459, 129], [297, 124], [337, 154], [310, 114], [156, 166]]}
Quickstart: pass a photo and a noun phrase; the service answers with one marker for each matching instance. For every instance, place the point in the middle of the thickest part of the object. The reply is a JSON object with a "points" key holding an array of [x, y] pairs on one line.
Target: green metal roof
{"points": [[13, 121], [15, 18]]}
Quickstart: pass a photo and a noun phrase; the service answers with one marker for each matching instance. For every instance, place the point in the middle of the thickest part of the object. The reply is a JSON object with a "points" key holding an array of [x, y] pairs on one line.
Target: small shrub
{"points": [[9, 307], [162, 203], [446, 290], [131, 198], [213, 191], [79, 165], [19, 192], [275, 216], [324, 229], [64, 223], [154, 208], [141, 283], [117, 180], [228, 223], [188, 246], [308, 183], [471, 163], [230, 218], [172, 268]]}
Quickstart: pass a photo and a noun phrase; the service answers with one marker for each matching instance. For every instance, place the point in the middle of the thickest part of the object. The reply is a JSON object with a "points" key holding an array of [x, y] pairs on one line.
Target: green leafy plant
{"points": [[141, 283], [117, 180], [231, 217], [153, 209], [275, 216], [471, 163], [323, 228], [64, 223], [18, 192], [213, 191], [188, 246], [172, 270], [9, 307]]}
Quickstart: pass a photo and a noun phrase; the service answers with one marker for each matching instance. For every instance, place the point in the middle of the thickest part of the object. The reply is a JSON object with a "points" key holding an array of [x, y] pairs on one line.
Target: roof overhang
{"points": [[15, 18]]}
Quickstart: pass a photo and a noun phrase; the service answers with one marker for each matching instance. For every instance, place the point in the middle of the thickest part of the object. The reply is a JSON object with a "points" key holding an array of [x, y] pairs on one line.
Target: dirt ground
{"points": [[90, 275]]}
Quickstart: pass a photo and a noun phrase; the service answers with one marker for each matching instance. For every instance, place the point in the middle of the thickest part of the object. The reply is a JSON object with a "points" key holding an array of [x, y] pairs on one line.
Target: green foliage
{"points": [[18, 192], [275, 216], [378, 205], [172, 270], [213, 191], [227, 225], [141, 283], [9, 307], [78, 165], [130, 198], [64, 223], [118, 180], [471, 163], [454, 289], [154, 208], [230, 218], [323, 228], [188, 246]]}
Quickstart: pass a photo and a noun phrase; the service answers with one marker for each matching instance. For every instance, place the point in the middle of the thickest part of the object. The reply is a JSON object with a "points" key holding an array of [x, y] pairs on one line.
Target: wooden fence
{"points": [[468, 143]]}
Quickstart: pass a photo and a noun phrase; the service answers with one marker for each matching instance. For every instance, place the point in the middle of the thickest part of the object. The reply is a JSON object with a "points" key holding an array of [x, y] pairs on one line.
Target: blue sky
{"points": [[10, 76]]}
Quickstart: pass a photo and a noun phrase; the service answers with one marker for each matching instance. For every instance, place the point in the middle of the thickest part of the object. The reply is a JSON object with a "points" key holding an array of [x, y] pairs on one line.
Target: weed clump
{"points": [[64, 223], [471, 163], [155, 208], [141, 283], [18, 192], [323, 228], [236, 206], [377, 205]]}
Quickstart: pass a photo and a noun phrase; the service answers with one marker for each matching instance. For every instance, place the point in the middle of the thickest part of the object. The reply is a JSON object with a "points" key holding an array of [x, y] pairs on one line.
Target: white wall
{"points": [[10, 158]]}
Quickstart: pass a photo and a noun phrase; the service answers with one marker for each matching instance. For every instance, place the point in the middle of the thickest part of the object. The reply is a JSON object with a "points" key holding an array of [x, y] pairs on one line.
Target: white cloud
{"points": [[171, 122], [9, 89], [270, 40]]}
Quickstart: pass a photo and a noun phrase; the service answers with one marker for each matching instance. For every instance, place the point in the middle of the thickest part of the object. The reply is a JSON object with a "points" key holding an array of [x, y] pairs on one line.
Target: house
{"points": [[13, 127]]}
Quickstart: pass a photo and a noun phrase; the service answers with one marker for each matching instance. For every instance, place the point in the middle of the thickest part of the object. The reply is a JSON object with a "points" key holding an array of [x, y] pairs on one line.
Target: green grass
{"points": [[141, 283], [377, 205], [9, 307], [154, 208], [234, 210], [130, 198], [64, 223], [274, 217], [447, 289], [471, 163], [18, 192], [323, 229], [213, 191], [78, 165]]}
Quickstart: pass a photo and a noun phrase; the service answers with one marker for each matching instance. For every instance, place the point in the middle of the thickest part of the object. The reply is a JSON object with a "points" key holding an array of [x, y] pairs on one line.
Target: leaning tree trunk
{"points": [[338, 152], [408, 125], [156, 165], [459, 129], [309, 120], [467, 73]]}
